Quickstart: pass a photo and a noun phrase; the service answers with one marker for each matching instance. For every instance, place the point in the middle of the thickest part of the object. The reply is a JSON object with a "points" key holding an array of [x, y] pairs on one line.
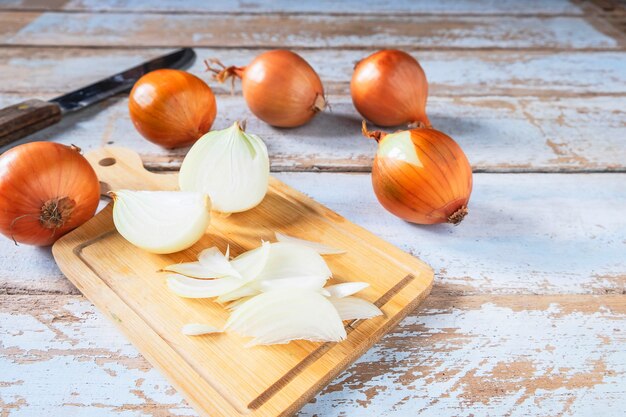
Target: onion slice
{"points": [[280, 316], [237, 294], [345, 289], [316, 246], [289, 260], [304, 283], [211, 264], [288, 265], [250, 264], [353, 308], [198, 329], [198, 288]]}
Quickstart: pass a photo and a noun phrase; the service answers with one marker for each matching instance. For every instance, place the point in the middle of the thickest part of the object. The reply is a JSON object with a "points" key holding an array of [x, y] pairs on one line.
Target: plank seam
{"points": [[373, 47], [248, 13]]}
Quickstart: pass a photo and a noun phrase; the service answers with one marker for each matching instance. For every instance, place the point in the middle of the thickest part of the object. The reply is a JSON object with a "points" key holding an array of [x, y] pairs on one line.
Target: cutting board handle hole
{"points": [[107, 162]]}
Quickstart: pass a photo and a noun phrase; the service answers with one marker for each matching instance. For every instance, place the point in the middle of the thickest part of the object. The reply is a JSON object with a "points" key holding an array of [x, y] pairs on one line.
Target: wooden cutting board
{"points": [[216, 373]]}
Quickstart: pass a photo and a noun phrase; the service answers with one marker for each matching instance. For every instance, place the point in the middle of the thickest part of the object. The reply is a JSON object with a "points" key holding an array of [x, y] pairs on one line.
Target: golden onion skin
{"points": [[46, 190], [422, 176], [282, 89], [389, 88], [172, 108]]}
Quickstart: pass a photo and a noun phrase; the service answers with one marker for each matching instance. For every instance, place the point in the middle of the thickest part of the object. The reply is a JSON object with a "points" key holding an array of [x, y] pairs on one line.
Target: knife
{"points": [[24, 118]]}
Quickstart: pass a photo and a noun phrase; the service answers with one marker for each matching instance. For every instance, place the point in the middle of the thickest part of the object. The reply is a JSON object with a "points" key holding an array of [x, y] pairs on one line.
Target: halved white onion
{"points": [[353, 308], [280, 316], [316, 246], [198, 329], [161, 221], [231, 166]]}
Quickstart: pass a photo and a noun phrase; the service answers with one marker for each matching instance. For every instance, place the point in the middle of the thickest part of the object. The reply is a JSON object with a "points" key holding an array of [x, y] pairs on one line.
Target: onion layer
{"points": [[389, 88], [421, 175], [46, 190], [280, 87], [172, 108], [280, 316]]}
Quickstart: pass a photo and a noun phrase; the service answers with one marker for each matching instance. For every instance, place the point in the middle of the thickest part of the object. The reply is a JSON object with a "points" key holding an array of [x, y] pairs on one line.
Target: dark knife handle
{"points": [[27, 117]]}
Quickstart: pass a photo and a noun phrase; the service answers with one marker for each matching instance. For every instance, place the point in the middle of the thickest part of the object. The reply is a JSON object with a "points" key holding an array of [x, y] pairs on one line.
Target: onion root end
{"points": [[458, 216], [56, 212]]}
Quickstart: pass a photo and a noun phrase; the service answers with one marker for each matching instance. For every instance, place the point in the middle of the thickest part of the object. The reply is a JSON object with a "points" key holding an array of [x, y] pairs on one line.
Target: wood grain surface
{"points": [[306, 31], [325, 7], [498, 134], [456, 355], [527, 313]]}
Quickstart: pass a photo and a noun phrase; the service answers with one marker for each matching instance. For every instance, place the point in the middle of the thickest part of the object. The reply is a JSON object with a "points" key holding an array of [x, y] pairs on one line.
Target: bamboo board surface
{"points": [[217, 374]]}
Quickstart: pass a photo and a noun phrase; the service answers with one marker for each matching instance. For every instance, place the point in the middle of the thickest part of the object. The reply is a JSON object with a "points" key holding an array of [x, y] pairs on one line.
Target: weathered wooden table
{"points": [[528, 313]]}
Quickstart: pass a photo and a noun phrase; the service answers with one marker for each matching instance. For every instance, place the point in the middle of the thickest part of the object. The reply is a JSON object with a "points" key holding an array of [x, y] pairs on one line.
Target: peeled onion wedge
{"points": [[280, 316], [161, 221]]}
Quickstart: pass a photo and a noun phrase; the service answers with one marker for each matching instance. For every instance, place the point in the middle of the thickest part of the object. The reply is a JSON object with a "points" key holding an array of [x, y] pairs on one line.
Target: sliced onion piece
{"points": [[236, 304], [345, 289], [280, 316], [197, 288], [290, 260], [318, 247], [161, 221], [288, 265], [211, 264], [237, 294], [198, 329], [303, 283], [353, 308], [250, 264]]}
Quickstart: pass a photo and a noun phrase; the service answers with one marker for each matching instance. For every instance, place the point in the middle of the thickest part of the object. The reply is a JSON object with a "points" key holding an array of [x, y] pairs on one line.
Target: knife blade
{"points": [[24, 118]]}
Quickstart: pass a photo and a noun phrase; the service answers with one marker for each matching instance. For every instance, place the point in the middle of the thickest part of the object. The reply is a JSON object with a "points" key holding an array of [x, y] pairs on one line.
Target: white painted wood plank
{"points": [[478, 355], [525, 234], [458, 73], [491, 356], [307, 31], [499, 134], [320, 6]]}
